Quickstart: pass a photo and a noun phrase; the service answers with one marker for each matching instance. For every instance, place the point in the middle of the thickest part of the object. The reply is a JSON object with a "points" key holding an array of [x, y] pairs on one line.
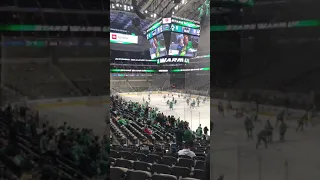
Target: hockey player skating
{"points": [[188, 100], [282, 130], [193, 104], [249, 127], [164, 97], [269, 129], [143, 99], [301, 122], [198, 102], [280, 117], [262, 136], [168, 102], [175, 101], [171, 105]]}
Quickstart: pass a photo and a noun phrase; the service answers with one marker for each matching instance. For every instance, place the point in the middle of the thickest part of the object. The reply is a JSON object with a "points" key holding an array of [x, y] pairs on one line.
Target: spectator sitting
{"points": [[147, 130], [186, 151]]}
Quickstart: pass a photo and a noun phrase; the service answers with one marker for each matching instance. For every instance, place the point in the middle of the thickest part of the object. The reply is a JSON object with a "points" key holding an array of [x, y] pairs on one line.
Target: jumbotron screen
{"points": [[183, 45], [173, 36], [157, 46]]}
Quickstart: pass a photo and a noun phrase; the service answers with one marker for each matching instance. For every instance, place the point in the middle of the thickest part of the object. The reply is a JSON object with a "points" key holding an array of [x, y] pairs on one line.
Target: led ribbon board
{"points": [[123, 38], [157, 71], [56, 42], [18, 27], [137, 60], [263, 26]]}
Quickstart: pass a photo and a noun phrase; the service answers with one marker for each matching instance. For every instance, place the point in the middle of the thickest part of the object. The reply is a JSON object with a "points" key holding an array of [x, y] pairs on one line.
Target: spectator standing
{"points": [[188, 136]]}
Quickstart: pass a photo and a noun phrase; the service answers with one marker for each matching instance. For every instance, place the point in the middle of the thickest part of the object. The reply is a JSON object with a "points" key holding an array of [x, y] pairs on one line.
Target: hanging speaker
{"points": [[136, 10]]}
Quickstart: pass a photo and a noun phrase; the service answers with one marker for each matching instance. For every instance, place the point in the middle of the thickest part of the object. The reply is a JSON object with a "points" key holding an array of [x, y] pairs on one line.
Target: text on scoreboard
{"points": [[174, 24]]}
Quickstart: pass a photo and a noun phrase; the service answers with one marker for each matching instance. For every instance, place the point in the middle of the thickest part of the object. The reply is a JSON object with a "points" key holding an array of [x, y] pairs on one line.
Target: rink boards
{"points": [[67, 102], [265, 110]]}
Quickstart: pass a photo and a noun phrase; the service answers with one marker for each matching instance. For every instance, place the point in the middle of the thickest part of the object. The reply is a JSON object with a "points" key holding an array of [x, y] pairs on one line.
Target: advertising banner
{"points": [[123, 38]]}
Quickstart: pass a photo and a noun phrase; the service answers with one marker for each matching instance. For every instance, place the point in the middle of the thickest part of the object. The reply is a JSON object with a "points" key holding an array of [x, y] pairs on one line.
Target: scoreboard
{"points": [[173, 36], [174, 24]]}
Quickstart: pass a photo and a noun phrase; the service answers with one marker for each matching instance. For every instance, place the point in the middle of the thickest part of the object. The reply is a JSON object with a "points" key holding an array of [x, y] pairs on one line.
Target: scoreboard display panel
{"points": [[179, 37]]}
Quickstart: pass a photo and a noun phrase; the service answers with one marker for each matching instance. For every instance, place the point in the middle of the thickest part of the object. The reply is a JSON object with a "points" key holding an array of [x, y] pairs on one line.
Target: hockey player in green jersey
{"points": [[171, 105]]}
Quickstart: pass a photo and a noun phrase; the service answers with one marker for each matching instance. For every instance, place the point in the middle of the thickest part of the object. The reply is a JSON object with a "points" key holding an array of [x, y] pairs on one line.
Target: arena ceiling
{"points": [[121, 14]]}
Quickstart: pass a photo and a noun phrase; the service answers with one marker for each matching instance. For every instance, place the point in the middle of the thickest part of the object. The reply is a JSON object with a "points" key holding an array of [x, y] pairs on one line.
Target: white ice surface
{"points": [[196, 116], [235, 157]]}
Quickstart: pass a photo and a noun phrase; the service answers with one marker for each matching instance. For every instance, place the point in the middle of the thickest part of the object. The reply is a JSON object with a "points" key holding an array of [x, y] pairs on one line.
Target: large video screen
{"points": [[157, 46], [183, 45]]}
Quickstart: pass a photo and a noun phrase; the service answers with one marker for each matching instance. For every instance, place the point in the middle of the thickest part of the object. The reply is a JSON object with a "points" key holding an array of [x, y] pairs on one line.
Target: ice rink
{"points": [[78, 116], [236, 158], [196, 116]]}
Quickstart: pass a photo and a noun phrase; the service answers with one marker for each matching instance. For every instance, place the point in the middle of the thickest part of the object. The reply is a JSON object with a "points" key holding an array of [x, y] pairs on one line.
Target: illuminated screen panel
{"points": [[183, 45], [157, 46], [123, 38]]}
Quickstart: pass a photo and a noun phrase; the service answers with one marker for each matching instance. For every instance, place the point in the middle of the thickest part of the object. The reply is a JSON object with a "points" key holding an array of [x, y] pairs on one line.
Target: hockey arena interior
{"points": [[54, 90], [265, 77], [159, 85]]}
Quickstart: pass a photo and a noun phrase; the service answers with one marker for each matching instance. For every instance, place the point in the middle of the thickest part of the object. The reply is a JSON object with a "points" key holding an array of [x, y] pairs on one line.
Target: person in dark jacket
{"points": [[205, 130], [262, 136], [179, 137], [269, 129], [249, 127]]}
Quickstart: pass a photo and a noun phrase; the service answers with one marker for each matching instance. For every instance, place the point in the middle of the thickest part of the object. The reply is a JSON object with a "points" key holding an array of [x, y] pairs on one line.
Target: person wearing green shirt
{"points": [[188, 136], [122, 122], [156, 46], [199, 132], [187, 45]]}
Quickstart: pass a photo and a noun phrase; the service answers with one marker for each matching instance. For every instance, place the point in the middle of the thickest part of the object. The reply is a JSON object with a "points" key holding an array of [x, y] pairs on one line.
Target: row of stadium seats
{"points": [[185, 161], [48, 83], [166, 162], [119, 173]]}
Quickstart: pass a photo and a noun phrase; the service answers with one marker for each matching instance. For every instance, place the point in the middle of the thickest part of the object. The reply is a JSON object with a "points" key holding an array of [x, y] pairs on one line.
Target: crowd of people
{"points": [[31, 145], [184, 139]]}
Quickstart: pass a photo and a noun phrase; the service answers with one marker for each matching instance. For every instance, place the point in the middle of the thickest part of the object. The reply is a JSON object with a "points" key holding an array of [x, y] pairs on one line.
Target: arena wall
{"points": [[72, 101]]}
